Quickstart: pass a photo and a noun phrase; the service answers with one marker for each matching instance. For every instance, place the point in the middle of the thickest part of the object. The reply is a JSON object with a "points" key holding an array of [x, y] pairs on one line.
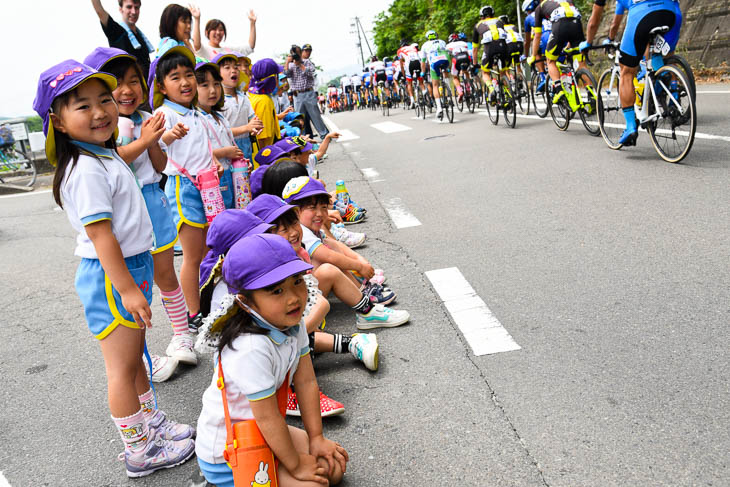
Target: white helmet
{"points": [[529, 5]]}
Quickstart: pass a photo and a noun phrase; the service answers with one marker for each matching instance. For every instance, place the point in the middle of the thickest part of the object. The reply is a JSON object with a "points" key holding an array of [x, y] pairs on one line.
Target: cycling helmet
{"points": [[486, 11], [373, 59], [529, 5], [404, 43], [431, 35], [366, 70], [453, 37], [386, 60], [504, 19], [462, 36]]}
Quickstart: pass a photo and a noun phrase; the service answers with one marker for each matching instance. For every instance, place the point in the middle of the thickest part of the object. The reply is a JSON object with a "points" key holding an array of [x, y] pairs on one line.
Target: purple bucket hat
{"points": [[268, 207], [100, 56], [264, 77], [302, 187], [259, 261], [257, 180], [225, 230], [54, 82]]}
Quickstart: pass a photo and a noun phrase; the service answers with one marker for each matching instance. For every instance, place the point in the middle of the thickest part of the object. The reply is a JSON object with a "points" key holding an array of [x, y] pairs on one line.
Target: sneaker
{"points": [[379, 294], [350, 214], [181, 347], [382, 317], [195, 322], [364, 347], [327, 406], [162, 368], [351, 239], [158, 454], [168, 429]]}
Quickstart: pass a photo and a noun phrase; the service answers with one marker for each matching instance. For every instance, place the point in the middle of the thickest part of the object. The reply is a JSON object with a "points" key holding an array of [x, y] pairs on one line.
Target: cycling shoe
{"points": [[628, 138]]}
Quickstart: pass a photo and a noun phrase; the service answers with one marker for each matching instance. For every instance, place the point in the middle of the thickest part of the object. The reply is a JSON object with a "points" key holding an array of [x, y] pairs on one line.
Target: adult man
{"points": [[411, 63], [460, 59], [301, 71], [435, 55], [529, 6], [644, 15], [356, 83], [490, 34], [346, 85], [126, 36]]}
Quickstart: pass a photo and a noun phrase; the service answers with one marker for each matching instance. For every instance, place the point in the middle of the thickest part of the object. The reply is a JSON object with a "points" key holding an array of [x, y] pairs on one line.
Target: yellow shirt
{"points": [[263, 105]]}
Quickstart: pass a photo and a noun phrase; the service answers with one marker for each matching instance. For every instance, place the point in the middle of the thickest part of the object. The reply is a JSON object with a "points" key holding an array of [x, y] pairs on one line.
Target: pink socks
{"points": [[147, 401], [174, 304], [133, 430]]}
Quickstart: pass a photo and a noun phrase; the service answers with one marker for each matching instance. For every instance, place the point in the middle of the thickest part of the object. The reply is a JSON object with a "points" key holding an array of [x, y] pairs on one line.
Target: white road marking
{"points": [[390, 127], [346, 134], [714, 92], [330, 124], [369, 172], [402, 218], [481, 329], [18, 195], [3, 481]]}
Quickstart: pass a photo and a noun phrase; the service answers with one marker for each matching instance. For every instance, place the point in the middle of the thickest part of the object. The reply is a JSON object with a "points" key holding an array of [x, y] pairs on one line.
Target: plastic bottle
{"points": [[210, 192], [639, 89], [341, 193], [241, 183]]}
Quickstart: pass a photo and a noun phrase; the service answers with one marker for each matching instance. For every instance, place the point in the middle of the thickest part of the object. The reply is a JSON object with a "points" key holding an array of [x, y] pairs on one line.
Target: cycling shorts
{"points": [[348, 89], [461, 63], [398, 75], [492, 51], [566, 31], [515, 49], [436, 67], [641, 21], [380, 75], [413, 66]]}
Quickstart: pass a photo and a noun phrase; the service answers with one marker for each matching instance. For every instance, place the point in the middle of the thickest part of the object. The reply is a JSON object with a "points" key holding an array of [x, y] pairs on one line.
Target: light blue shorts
{"points": [[185, 202], [102, 303], [227, 189], [218, 474], [244, 143], [159, 210]]}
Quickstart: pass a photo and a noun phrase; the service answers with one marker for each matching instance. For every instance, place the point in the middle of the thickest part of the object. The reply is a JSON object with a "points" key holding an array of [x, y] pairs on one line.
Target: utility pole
{"points": [[519, 17], [357, 20], [354, 24]]}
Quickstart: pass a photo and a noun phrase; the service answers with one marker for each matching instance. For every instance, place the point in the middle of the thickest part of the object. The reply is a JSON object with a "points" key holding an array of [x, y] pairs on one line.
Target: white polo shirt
{"points": [[254, 368], [238, 111], [105, 189], [222, 135], [310, 241], [142, 165], [192, 151]]}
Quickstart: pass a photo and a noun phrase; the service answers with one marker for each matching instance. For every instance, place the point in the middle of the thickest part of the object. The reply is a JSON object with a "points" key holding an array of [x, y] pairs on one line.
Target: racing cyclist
{"points": [[356, 83], [515, 42], [460, 60], [410, 62], [366, 84], [644, 15], [390, 73], [378, 73], [435, 54], [529, 6], [490, 33], [346, 86]]}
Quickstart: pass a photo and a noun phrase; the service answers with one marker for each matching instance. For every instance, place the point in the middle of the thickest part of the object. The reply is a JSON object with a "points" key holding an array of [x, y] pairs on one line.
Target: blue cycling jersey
{"points": [[623, 6]]}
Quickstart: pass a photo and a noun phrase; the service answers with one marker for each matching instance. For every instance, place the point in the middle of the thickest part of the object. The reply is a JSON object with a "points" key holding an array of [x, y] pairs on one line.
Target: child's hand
{"points": [[332, 452], [179, 131], [333, 135], [152, 129], [233, 152], [256, 124], [366, 270], [135, 302], [219, 167], [334, 216], [308, 470], [289, 109]]}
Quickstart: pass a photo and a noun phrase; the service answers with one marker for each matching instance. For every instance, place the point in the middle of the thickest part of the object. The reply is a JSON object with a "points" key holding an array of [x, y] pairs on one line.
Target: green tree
{"points": [[35, 124]]}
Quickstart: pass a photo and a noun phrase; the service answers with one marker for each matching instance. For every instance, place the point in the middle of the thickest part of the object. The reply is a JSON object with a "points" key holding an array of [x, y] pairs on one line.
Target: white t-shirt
{"points": [[208, 52], [142, 165], [310, 241], [254, 368], [238, 111], [192, 151], [105, 189], [312, 165], [222, 136]]}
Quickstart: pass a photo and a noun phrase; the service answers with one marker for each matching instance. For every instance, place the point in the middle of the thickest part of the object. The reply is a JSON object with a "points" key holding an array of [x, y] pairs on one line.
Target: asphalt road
{"points": [[609, 269]]}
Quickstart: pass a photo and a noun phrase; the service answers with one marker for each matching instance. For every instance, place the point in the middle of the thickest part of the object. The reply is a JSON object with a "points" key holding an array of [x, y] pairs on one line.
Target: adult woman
{"points": [[215, 31]]}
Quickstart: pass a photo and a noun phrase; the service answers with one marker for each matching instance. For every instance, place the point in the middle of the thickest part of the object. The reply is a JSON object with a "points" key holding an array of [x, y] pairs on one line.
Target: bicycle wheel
{"points": [[522, 93], [16, 168], [681, 63], [586, 85], [539, 97], [673, 133], [560, 113], [509, 105], [471, 103], [460, 99], [492, 109], [610, 116], [448, 102]]}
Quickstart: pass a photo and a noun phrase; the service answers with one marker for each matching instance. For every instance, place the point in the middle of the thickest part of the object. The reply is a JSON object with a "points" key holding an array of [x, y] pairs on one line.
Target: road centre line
{"points": [[402, 218], [481, 329], [369, 172], [390, 127]]}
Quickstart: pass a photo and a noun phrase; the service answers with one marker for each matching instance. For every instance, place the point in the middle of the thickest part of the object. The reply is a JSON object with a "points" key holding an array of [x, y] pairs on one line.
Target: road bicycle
{"points": [[501, 97], [518, 84], [447, 97], [577, 95], [469, 96], [665, 102], [16, 168], [540, 92], [383, 99]]}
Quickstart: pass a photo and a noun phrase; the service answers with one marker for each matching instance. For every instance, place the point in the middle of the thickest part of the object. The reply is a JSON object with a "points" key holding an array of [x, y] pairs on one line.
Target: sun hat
{"points": [[54, 82], [269, 207], [101, 56], [264, 77], [258, 261], [201, 63], [229, 55], [155, 95], [302, 187], [269, 154]]}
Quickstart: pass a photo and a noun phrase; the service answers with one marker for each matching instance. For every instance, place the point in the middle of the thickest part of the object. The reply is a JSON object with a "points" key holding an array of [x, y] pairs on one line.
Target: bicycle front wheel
{"points": [[673, 133], [610, 116], [522, 93], [560, 113], [586, 86], [509, 105], [539, 96], [448, 102]]}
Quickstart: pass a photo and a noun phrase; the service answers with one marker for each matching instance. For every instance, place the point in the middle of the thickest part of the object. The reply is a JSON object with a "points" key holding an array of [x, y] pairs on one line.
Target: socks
{"points": [[342, 343], [174, 304], [133, 430], [147, 401], [364, 306], [438, 103], [630, 116]]}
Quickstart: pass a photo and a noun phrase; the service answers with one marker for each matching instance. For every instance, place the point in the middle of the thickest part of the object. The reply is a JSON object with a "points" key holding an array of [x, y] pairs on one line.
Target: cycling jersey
{"points": [[408, 53], [554, 11], [488, 30], [435, 54], [389, 71], [644, 15], [547, 26], [512, 34]]}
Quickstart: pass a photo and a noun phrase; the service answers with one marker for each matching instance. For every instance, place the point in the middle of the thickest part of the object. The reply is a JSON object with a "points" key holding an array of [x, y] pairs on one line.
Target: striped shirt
{"points": [[301, 80]]}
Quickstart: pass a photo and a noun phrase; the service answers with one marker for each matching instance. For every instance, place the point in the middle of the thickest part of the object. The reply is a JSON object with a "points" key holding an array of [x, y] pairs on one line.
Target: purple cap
{"points": [[257, 180], [269, 154], [264, 76], [259, 261], [100, 56], [225, 230], [268, 207], [288, 144], [302, 187], [55, 81], [155, 96]]}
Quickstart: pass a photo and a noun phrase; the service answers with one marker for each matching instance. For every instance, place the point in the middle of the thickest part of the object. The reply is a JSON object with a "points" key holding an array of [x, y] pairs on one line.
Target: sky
{"points": [[50, 31]]}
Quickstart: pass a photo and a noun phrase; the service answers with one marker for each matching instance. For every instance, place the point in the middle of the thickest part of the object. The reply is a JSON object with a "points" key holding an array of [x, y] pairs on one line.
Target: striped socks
{"points": [[364, 306], [342, 343], [174, 304]]}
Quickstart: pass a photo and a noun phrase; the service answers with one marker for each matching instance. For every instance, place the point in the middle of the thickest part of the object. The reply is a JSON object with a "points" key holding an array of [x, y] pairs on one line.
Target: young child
{"points": [[147, 160], [210, 101], [105, 206], [262, 348], [173, 90], [312, 199], [260, 92], [175, 28], [265, 157]]}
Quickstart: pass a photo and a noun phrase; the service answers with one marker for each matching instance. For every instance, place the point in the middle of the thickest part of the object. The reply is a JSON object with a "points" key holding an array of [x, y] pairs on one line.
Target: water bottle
{"points": [[341, 194], [565, 81], [241, 184], [125, 126], [210, 192], [639, 90]]}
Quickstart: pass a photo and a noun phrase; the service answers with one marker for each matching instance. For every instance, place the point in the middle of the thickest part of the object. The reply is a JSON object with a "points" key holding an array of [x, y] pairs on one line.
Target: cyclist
{"points": [[490, 33], [365, 76], [398, 75], [644, 15], [528, 6], [435, 54], [515, 42], [460, 60], [390, 73], [411, 64], [356, 84], [332, 97], [378, 74], [346, 86], [566, 29]]}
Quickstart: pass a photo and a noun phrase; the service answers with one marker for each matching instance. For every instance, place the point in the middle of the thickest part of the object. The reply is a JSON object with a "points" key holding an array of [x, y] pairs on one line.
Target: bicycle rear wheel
{"points": [[586, 86], [16, 168], [509, 105], [540, 97], [673, 133], [492, 109], [610, 116], [561, 113], [448, 102], [522, 93], [681, 63], [460, 99]]}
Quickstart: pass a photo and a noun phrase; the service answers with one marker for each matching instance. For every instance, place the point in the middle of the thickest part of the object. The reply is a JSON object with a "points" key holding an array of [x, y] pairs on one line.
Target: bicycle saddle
{"points": [[659, 30]]}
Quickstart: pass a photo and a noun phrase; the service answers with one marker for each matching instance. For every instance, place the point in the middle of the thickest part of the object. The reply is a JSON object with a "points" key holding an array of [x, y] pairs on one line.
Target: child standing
{"points": [[141, 150], [261, 349], [264, 79], [104, 205]]}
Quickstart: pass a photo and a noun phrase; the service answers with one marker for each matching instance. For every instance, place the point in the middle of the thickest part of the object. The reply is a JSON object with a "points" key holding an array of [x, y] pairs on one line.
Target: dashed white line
{"points": [[369, 172], [481, 329], [390, 127], [402, 218]]}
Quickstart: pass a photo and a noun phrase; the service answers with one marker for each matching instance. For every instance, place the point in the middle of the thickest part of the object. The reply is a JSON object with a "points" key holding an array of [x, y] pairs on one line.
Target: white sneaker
{"points": [[158, 454], [181, 348], [162, 367], [364, 347], [382, 317], [351, 239]]}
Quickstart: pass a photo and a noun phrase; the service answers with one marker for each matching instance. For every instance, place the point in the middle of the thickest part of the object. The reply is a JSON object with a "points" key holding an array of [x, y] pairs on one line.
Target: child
{"points": [[147, 160], [106, 208], [261, 349], [312, 199], [173, 90], [265, 157], [263, 84], [210, 101], [236, 107], [175, 28]]}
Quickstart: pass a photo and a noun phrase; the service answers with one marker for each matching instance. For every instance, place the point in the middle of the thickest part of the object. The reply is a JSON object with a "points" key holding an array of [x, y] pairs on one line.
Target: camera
{"points": [[294, 51]]}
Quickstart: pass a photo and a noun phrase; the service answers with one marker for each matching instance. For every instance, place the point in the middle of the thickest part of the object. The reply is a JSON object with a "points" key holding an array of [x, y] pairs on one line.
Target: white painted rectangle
{"points": [[346, 135], [402, 218], [481, 329], [369, 172], [390, 127]]}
